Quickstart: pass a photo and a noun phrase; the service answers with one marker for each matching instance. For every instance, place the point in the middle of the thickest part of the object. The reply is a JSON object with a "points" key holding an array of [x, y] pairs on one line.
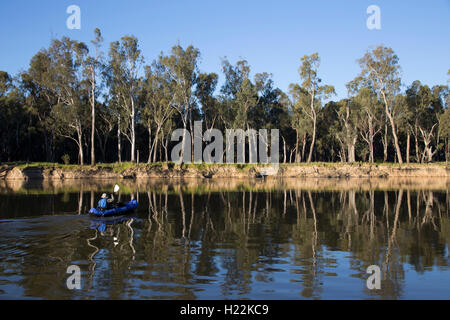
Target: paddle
{"points": [[116, 189]]}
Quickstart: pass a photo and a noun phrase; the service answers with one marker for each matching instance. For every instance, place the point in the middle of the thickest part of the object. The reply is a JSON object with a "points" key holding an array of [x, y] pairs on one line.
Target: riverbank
{"points": [[52, 171]]}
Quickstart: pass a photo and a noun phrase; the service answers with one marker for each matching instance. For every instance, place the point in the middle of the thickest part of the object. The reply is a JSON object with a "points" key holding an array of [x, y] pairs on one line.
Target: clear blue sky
{"points": [[271, 35]]}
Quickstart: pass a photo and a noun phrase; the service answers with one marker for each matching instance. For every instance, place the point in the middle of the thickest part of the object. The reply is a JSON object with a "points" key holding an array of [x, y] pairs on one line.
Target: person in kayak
{"points": [[105, 203]]}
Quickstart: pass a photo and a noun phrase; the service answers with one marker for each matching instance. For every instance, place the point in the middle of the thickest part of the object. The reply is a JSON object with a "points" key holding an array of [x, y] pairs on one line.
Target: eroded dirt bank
{"points": [[223, 171]]}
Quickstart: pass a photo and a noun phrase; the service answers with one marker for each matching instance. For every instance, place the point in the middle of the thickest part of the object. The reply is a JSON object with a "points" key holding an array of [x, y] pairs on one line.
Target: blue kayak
{"points": [[124, 209]]}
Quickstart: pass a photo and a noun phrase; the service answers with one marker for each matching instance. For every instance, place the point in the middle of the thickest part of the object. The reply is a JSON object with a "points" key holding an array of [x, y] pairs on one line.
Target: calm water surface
{"points": [[227, 240]]}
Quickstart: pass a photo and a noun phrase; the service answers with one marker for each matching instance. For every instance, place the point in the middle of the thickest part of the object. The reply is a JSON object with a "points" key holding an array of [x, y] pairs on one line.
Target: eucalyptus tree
{"points": [[416, 94], [69, 122], [5, 83], [14, 119], [241, 94], [281, 114], [271, 110], [300, 121], [342, 128], [444, 124], [329, 130], [105, 124], [381, 71], [369, 122], [158, 101], [166, 131], [182, 68], [223, 113], [441, 104], [251, 104], [40, 99], [400, 113], [119, 114], [59, 73], [348, 112], [234, 76], [124, 65], [204, 91], [425, 106], [444, 131], [91, 65], [246, 98], [268, 109], [314, 92]]}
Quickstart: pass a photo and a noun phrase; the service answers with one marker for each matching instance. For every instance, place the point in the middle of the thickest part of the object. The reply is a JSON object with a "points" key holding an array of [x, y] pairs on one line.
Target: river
{"points": [[227, 239]]}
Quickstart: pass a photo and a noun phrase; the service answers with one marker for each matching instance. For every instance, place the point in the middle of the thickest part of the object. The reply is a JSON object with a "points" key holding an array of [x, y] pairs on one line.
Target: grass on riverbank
{"points": [[24, 164], [116, 167]]}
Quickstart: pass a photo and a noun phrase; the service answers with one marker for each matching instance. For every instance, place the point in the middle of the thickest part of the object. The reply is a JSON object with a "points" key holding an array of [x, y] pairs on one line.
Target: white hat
{"points": [[104, 196]]}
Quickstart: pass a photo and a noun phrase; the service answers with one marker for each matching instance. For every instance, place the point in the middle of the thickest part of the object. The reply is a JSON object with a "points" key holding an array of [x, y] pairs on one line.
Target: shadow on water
{"points": [[209, 239]]}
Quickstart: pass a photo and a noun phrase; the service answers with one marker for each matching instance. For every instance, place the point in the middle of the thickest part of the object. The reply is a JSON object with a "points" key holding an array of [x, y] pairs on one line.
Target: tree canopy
{"points": [[72, 98]]}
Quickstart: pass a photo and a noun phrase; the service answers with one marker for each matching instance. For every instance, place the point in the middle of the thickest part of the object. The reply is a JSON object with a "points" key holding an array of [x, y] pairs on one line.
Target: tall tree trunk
{"points": [[428, 149], [160, 149], [80, 145], [394, 130], [371, 135], [396, 144], [133, 133], [314, 118], [351, 150], [311, 148], [408, 143], [385, 144], [371, 156], [93, 137], [149, 129], [191, 128], [183, 141], [446, 151], [156, 146], [297, 152], [416, 138], [119, 151], [303, 147], [93, 116], [166, 147]]}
